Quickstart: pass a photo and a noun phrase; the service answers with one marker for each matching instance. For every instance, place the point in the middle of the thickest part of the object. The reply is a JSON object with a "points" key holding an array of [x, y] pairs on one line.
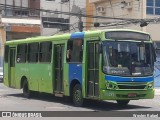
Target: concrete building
{"points": [[135, 9], [23, 21], [52, 23], [2, 41]]}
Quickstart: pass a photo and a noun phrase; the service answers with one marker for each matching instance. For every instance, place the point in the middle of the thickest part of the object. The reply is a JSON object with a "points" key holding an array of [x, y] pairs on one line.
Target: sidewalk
{"points": [[157, 91]]}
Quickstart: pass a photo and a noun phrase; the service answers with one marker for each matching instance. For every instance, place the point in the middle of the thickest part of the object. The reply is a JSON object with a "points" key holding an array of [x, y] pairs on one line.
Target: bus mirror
{"points": [[100, 47]]}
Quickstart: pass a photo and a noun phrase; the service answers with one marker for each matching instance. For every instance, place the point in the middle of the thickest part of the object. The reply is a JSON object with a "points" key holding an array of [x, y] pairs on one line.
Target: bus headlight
{"points": [[150, 85], [111, 85]]}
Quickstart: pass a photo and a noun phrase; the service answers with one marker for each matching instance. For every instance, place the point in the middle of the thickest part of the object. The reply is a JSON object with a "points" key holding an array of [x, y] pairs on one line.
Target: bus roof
{"points": [[66, 36]]}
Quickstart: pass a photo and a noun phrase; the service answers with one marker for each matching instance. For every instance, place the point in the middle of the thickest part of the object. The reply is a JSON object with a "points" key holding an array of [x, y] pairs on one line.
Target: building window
{"points": [[153, 7]]}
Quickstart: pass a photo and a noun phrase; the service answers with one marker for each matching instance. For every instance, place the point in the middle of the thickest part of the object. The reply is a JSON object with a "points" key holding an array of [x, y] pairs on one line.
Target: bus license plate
{"points": [[132, 95]]}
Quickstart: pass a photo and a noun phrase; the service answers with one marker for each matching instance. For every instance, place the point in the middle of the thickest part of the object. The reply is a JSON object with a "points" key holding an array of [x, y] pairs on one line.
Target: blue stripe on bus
{"points": [[77, 35], [129, 79], [75, 72]]}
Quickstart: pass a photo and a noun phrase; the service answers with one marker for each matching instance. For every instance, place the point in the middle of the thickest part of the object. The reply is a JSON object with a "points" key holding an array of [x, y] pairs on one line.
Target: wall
{"points": [[2, 42], [115, 9], [74, 6]]}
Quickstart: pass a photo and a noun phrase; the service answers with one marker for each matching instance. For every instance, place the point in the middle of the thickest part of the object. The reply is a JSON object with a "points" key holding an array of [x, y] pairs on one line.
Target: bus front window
{"points": [[127, 59]]}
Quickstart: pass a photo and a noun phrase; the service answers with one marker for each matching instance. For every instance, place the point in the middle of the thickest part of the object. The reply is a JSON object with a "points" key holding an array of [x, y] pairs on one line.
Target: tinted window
{"points": [[33, 52], [45, 52], [21, 53], [74, 50]]}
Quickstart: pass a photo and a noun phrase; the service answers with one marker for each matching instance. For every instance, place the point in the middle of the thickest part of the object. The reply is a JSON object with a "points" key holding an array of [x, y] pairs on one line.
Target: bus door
{"points": [[92, 69], [11, 72], [58, 72]]}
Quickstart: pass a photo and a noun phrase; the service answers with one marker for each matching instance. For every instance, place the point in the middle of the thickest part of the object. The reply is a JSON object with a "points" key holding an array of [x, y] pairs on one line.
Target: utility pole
{"points": [[80, 24]]}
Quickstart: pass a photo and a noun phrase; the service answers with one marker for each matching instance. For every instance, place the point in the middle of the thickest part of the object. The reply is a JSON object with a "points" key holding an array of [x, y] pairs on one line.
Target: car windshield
{"points": [[127, 58]]}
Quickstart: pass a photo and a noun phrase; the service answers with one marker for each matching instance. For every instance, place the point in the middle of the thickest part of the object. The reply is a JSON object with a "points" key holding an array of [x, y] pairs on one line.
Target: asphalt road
{"points": [[13, 100]]}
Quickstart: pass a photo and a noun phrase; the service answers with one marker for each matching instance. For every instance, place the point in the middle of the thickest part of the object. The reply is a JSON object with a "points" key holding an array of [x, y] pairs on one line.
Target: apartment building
{"points": [[52, 23], [20, 17], [135, 9], [2, 41]]}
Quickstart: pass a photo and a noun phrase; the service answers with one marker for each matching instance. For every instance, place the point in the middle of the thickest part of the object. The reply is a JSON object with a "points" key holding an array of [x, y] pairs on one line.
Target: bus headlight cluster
{"points": [[111, 85], [150, 85]]}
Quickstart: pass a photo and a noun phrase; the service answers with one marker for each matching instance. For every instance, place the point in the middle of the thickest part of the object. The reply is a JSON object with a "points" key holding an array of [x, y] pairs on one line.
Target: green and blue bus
{"points": [[113, 64]]}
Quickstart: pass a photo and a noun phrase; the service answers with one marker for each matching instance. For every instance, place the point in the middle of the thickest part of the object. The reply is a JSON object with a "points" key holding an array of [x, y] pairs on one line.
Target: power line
{"points": [[121, 21], [65, 13], [121, 4]]}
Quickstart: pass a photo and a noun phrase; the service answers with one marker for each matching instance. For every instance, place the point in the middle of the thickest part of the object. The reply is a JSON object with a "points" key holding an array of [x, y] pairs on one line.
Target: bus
{"points": [[113, 64]]}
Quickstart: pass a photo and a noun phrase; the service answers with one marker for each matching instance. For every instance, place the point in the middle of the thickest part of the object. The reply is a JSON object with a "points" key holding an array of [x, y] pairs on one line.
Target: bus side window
{"points": [[21, 53], [74, 51], [45, 52], [33, 49], [69, 50]]}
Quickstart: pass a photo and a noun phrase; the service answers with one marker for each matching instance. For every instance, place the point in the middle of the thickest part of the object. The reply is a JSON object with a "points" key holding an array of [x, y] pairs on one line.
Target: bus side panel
{"points": [[66, 74], [21, 70], [75, 72], [45, 78], [66, 79], [34, 76], [5, 74]]}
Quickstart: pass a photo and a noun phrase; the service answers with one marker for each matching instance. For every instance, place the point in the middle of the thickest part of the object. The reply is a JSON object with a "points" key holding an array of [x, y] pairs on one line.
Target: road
{"points": [[13, 100]]}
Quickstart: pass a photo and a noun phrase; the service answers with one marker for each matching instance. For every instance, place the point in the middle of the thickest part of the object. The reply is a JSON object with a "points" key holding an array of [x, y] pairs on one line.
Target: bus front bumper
{"points": [[126, 94]]}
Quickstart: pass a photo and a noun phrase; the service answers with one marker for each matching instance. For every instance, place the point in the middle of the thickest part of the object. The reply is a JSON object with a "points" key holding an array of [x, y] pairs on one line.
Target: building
{"points": [[135, 9], [21, 18], [2, 41], [52, 23]]}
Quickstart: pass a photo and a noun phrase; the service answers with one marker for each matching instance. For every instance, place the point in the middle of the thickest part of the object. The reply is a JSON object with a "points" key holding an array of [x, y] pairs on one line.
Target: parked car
{"points": [[1, 74]]}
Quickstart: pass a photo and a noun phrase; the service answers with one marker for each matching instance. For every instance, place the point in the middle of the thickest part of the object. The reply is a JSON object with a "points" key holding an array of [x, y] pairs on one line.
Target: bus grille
{"points": [[131, 87]]}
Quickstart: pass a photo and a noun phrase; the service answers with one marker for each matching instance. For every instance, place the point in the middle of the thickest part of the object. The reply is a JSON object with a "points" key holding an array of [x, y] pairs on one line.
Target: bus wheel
{"points": [[123, 102], [26, 91], [77, 95]]}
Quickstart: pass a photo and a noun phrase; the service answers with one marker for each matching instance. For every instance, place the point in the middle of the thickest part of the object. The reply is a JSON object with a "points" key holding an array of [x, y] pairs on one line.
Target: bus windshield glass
{"points": [[127, 58]]}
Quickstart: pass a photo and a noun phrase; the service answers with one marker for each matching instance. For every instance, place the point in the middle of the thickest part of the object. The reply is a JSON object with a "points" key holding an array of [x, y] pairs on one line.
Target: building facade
{"points": [[134, 9], [21, 18], [52, 23], [2, 41]]}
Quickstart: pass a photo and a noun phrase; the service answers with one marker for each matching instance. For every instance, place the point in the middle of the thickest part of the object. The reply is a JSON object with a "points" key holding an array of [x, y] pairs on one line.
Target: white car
{"points": [[1, 74]]}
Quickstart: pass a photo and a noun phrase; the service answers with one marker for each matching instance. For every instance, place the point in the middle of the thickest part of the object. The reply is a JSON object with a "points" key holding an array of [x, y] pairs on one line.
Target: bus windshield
{"points": [[127, 58]]}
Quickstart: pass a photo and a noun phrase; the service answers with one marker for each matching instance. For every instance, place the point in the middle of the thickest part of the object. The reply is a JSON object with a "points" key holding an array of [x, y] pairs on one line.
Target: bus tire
{"points": [[26, 91], [123, 102], [77, 95]]}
